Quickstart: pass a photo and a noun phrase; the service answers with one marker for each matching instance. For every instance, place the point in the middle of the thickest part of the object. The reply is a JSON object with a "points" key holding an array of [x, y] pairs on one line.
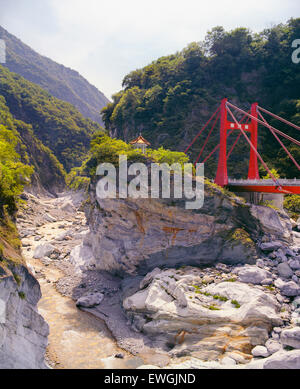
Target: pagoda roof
{"points": [[139, 140]]}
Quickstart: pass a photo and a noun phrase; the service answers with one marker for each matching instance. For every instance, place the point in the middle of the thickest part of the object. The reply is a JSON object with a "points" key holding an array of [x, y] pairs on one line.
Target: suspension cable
{"points": [[279, 118], [218, 145], [265, 125], [238, 137], [208, 136], [253, 148], [281, 144], [202, 129]]}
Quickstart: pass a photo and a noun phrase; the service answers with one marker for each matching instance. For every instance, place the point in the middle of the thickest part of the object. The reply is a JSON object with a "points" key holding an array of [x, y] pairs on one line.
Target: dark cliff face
{"points": [[63, 83], [48, 172]]}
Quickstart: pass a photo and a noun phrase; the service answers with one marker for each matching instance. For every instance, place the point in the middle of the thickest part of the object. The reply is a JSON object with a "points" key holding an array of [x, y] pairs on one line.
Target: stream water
{"points": [[77, 340]]}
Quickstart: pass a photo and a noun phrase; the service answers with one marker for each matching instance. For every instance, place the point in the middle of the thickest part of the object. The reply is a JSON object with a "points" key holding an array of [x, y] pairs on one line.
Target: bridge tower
{"points": [[225, 125], [253, 163]]}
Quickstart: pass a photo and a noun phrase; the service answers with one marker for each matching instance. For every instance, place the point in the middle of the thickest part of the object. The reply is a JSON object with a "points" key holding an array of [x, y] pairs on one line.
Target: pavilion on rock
{"points": [[140, 143]]}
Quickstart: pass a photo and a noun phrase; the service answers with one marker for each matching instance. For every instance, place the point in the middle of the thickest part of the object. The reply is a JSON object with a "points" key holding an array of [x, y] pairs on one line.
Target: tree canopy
{"points": [[170, 99]]}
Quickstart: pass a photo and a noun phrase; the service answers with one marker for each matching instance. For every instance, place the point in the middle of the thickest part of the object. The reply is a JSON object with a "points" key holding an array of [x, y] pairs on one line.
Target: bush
{"points": [[75, 180], [166, 156], [292, 204], [268, 176]]}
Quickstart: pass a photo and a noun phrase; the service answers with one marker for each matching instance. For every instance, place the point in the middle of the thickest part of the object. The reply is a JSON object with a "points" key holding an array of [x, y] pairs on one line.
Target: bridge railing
{"points": [[269, 182]]}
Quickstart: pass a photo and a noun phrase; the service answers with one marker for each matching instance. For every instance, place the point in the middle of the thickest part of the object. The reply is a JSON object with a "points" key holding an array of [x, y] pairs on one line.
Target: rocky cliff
{"points": [[134, 236], [23, 331]]}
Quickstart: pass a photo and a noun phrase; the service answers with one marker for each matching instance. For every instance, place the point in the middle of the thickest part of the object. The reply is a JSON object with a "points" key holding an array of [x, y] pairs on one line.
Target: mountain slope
{"points": [[48, 173], [56, 123], [170, 99], [63, 83]]}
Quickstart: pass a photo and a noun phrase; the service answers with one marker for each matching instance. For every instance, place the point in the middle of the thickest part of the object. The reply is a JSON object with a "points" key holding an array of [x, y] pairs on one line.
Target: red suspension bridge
{"points": [[243, 127]]}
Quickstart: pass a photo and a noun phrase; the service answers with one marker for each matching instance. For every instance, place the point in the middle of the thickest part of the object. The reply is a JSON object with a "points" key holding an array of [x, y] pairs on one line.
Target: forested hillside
{"points": [[57, 124], [23, 154], [62, 82], [170, 99]]}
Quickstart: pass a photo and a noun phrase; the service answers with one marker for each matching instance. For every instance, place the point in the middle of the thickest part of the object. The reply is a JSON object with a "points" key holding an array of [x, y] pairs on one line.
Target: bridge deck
{"points": [[286, 186]]}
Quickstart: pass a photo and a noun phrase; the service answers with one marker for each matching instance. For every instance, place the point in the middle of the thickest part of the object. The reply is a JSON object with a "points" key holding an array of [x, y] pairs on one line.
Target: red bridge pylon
{"points": [[225, 125]]}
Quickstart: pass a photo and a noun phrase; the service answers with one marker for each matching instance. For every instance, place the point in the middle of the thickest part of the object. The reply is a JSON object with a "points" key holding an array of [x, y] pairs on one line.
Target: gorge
{"points": [[87, 282]]}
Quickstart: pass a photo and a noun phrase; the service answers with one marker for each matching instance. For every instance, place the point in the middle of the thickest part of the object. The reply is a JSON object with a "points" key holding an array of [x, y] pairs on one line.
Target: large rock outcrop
{"points": [[136, 235], [177, 309]]}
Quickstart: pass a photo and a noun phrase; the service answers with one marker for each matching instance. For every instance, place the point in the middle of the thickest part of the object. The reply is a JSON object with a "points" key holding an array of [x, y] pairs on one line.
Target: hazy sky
{"points": [[106, 39]]}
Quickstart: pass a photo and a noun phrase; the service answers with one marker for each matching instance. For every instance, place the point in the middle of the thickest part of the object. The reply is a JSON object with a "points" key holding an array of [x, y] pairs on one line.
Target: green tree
{"points": [[13, 173]]}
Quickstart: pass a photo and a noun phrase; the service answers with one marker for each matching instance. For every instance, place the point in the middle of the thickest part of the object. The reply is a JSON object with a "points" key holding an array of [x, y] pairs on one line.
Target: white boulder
{"points": [[82, 257], [283, 360], [294, 264], [49, 218], [149, 277], [63, 235], [260, 351], [271, 246], [273, 346], [90, 301], [227, 361], [43, 250], [291, 337], [252, 274], [284, 270], [290, 289], [67, 207]]}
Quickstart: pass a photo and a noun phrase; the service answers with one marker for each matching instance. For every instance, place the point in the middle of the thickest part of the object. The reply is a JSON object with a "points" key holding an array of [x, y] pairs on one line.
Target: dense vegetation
{"points": [[57, 124], [170, 99], [13, 173], [107, 149], [61, 82], [23, 156]]}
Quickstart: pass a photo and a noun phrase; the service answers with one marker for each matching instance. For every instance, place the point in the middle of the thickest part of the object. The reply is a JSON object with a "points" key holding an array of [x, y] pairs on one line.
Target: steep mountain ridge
{"points": [[56, 123], [62, 82]]}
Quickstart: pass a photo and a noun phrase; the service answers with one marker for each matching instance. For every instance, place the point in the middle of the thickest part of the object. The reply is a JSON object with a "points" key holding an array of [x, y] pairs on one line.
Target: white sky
{"points": [[106, 39]]}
